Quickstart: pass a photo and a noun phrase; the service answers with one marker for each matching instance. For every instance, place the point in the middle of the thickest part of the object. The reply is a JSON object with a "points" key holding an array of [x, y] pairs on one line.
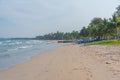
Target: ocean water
{"points": [[15, 51]]}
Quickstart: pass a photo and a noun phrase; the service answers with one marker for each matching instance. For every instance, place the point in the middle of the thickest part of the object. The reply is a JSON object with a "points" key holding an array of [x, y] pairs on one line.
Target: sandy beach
{"points": [[69, 62]]}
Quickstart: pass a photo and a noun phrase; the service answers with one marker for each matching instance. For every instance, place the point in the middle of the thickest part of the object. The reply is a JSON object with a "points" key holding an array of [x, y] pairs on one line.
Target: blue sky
{"points": [[29, 18]]}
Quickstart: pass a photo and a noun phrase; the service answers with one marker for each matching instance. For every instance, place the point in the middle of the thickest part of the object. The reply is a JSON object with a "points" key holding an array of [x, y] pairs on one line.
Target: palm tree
{"points": [[84, 32]]}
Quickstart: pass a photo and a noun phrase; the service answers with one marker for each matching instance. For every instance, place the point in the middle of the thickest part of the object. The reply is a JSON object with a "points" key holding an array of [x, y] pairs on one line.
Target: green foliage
{"points": [[60, 35], [98, 28], [106, 42], [84, 32], [118, 10]]}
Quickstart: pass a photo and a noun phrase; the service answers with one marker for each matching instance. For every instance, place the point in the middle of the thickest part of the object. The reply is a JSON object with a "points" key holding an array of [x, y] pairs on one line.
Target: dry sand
{"points": [[69, 62]]}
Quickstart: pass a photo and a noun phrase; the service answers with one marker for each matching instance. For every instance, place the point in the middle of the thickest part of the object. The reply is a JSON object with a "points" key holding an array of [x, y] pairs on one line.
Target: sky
{"points": [[30, 18]]}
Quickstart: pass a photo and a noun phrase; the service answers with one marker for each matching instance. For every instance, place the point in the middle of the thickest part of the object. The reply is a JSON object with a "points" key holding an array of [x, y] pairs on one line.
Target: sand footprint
{"points": [[89, 74]]}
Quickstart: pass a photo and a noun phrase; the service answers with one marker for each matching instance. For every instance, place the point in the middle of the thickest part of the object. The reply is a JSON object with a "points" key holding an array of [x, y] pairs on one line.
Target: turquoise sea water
{"points": [[14, 51]]}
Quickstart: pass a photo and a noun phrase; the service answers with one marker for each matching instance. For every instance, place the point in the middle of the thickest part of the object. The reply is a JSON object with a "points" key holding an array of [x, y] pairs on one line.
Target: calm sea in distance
{"points": [[15, 51]]}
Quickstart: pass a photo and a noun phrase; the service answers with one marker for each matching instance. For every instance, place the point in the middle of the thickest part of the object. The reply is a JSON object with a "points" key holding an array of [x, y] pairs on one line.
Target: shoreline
{"points": [[26, 55], [68, 62]]}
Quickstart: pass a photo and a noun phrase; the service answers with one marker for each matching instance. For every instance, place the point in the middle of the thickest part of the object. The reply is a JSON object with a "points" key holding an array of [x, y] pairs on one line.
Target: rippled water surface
{"points": [[14, 51]]}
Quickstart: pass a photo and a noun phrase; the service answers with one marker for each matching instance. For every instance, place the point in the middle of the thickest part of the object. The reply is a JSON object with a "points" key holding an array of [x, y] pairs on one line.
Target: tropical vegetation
{"points": [[98, 28], [106, 42]]}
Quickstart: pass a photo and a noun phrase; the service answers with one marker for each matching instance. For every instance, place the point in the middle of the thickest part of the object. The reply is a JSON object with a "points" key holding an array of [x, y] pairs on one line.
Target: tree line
{"points": [[97, 28]]}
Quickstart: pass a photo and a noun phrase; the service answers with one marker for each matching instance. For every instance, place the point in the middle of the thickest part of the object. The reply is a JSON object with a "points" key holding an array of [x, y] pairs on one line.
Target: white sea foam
{"points": [[23, 47], [18, 43], [8, 41], [34, 42], [14, 43], [13, 49]]}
